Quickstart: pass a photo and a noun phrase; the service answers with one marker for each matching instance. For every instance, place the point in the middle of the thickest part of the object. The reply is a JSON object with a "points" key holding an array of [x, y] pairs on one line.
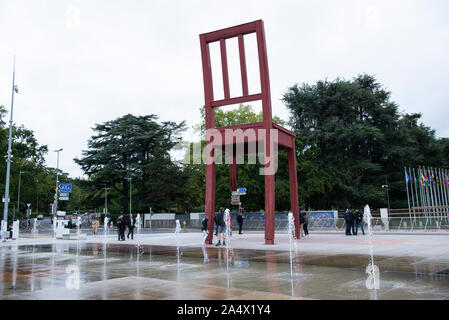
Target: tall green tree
{"points": [[138, 148], [358, 139]]}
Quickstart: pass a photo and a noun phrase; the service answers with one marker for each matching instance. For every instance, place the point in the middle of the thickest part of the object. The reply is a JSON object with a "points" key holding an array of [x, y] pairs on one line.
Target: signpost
{"points": [[65, 188], [242, 191], [235, 197], [64, 192]]}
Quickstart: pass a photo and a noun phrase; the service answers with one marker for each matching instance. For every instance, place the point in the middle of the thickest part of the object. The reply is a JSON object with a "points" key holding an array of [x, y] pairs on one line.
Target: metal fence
{"points": [[330, 224], [387, 224]]}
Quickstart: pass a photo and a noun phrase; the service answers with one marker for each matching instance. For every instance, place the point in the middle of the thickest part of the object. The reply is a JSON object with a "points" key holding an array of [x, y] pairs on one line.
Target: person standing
{"points": [[230, 226], [119, 226], [353, 221], [221, 227], [348, 221], [216, 221], [359, 222], [302, 220], [240, 221], [131, 226], [95, 225], [306, 223]]}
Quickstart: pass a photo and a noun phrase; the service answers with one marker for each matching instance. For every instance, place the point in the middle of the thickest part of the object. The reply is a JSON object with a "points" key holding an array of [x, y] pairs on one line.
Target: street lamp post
{"points": [[37, 196], [130, 194], [388, 196], [8, 165], [106, 201], [18, 195], [55, 203]]}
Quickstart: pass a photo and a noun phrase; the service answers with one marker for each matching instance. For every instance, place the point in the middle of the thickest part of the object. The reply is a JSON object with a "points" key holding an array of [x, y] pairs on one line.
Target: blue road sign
{"points": [[65, 188], [242, 190]]}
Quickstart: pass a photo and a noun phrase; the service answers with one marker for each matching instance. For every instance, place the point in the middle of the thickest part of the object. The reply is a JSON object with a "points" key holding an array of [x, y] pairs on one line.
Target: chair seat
{"points": [[286, 138]]}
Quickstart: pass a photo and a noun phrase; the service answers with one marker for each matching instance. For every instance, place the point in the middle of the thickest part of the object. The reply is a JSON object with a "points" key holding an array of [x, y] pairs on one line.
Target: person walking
{"points": [[221, 227], [121, 226], [348, 221], [306, 223], [95, 226], [131, 226], [359, 222], [204, 228], [240, 221], [216, 221]]}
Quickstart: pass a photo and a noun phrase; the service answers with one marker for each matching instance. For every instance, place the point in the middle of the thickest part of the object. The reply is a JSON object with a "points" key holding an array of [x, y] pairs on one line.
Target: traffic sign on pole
{"points": [[242, 190], [65, 188], [235, 199]]}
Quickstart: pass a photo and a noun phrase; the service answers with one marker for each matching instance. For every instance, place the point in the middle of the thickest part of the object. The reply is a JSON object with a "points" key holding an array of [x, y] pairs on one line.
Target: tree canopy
{"points": [[357, 139], [136, 148]]}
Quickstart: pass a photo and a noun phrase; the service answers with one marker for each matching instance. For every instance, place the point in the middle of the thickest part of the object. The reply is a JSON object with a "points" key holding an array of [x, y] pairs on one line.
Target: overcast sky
{"points": [[82, 62]]}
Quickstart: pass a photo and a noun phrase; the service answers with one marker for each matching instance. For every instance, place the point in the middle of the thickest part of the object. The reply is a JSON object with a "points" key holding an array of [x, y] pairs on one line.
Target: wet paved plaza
{"points": [[157, 268]]}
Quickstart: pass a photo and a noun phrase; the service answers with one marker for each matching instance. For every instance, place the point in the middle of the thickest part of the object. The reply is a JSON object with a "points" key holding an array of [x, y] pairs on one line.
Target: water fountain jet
{"points": [[373, 271]]}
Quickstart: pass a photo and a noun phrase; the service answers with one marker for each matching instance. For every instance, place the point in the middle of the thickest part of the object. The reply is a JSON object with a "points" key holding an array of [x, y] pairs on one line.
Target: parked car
{"points": [[40, 217]]}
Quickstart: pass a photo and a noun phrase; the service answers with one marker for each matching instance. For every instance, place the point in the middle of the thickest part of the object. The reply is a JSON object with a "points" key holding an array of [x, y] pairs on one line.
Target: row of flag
{"points": [[426, 180], [427, 190]]}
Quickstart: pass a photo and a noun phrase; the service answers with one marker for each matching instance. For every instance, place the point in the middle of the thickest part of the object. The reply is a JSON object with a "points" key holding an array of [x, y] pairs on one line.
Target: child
{"points": [[204, 228]]}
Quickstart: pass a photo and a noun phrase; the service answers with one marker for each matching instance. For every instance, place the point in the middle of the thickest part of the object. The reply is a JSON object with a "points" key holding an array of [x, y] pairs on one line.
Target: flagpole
{"points": [[413, 197], [435, 193], [431, 192], [416, 192], [426, 192], [443, 200], [446, 185], [408, 197], [432, 185], [8, 165], [440, 203], [423, 203], [447, 190]]}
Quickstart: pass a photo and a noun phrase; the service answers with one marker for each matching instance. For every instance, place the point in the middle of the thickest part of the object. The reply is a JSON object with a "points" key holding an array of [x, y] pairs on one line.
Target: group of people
{"points": [[123, 223], [220, 229], [353, 220]]}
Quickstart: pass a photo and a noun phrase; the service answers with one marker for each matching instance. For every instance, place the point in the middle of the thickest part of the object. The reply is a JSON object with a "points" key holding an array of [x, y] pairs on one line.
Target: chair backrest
{"points": [[221, 36]]}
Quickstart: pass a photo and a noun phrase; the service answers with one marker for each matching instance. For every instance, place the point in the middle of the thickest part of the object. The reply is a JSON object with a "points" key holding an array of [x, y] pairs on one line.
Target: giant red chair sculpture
{"points": [[286, 138]]}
